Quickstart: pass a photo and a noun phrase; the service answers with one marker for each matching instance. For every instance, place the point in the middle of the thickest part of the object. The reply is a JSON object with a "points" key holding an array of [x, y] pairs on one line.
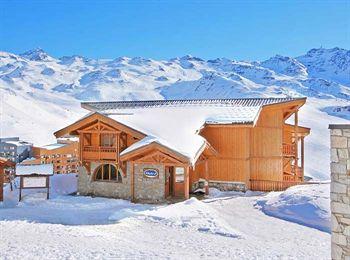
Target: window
{"points": [[179, 174], [108, 172], [107, 140]]}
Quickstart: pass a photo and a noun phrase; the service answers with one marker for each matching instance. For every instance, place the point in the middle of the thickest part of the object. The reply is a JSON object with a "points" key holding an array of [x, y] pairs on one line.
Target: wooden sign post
{"points": [[34, 177], [34, 181]]}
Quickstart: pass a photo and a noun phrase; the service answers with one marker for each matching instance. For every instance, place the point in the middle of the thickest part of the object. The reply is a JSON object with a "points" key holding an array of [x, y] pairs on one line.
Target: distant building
{"points": [[14, 149], [63, 155]]}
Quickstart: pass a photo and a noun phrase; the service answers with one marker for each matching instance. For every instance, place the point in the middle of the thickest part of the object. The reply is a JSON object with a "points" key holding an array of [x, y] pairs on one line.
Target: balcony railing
{"points": [[99, 153], [294, 176], [288, 149]]}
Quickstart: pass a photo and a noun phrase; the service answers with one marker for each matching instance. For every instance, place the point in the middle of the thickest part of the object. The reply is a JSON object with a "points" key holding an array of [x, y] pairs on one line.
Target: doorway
{"points": [[169, 181]]}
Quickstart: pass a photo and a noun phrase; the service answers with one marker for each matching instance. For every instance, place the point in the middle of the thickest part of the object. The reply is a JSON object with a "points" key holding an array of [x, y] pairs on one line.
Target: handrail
{"points": [[99, 149], [288, 149]]}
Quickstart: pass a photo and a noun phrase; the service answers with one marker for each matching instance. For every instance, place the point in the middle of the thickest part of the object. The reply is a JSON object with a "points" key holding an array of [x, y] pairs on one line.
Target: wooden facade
{"points": [[265, 155], [4, 164]]}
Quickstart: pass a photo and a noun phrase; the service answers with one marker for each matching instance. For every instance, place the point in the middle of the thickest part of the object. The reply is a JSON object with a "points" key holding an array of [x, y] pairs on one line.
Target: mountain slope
{"points": [[41, 94]]}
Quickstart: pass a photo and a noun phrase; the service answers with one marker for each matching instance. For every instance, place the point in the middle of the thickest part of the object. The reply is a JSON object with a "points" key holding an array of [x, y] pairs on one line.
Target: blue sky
{"points": [[251, 30]]}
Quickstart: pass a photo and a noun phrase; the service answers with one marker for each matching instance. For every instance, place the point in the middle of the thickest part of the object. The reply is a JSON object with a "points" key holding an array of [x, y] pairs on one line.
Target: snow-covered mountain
{"points": [[40, 93]]}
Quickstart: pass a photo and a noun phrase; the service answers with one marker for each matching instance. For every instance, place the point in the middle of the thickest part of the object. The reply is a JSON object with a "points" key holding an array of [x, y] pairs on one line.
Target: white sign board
{"points": [[34, 182], [179, 174]]}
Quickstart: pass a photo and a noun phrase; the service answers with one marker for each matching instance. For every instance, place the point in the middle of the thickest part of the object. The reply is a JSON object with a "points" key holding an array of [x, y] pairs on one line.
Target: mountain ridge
{"points": [[40, 93]]}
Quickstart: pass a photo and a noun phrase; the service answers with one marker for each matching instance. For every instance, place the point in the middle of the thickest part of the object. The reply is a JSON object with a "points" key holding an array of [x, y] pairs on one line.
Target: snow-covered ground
{"points": [[308, 205], [227, 225]]}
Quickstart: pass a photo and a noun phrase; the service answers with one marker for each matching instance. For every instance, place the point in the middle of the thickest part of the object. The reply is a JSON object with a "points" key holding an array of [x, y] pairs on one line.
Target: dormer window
{"points": [[108, 140]]}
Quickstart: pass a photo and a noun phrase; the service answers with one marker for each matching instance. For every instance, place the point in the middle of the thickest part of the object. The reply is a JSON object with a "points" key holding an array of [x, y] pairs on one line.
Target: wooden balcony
{"points": [[99, 153], [288, 150]]}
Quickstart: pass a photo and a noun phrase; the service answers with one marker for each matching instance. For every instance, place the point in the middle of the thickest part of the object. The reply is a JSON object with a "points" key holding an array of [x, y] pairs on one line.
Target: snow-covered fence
{"points": [[340, 190]]}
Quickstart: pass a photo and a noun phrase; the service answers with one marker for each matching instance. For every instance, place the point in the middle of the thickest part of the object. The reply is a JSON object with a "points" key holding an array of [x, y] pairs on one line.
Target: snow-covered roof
{"points": [[175, 123], [18, 143], [39, 169], [242, 102], [53, 146]]}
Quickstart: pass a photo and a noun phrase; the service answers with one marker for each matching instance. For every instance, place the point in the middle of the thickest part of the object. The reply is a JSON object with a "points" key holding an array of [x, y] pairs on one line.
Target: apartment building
{"points": [[63, 155], [14, 149]]}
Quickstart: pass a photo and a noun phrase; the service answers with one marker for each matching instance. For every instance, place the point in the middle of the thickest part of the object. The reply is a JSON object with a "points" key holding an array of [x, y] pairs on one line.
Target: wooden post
{"points": [[296, 144], [20, 188], [132, 185], [48, 187], [302, 158], [187, 183], [81, 141], [1, 183], [117, 147], [206, 177]]}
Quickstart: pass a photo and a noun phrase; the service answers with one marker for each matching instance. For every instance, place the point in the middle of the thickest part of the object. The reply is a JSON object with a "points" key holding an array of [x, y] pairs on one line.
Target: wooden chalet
{"points": [[4, 164], [154, 150]]}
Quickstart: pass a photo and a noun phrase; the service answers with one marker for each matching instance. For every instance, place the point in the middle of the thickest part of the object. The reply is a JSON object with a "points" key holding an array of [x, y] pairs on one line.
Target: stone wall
{"points": [[149, 189], [228, 185], [87, 186], [340, 191]]}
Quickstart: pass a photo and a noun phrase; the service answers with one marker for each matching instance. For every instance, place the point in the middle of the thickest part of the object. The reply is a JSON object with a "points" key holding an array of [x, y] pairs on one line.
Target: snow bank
{"points": [[307, 205], [192, 214], [63, 184]]}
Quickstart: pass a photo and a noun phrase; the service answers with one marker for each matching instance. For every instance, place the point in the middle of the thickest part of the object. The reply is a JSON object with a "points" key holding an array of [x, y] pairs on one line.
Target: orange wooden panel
{"points": [[266, 169], [228, 170], [228, 141]]}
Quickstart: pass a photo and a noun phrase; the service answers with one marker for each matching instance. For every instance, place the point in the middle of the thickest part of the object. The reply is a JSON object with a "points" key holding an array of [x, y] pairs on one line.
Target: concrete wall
{"points": [[340, 191], [149, 189]]}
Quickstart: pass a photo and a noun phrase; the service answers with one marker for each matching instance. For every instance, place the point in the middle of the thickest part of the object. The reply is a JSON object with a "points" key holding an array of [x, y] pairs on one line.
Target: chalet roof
{"points": [[175, 123], [241, 102]]}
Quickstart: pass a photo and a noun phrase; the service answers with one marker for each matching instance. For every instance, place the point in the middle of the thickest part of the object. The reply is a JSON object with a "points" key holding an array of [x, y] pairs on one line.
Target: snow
{"points": [[177, 127], [53, 146], [34, 105], [305, 204], [194, 215], [40, 169], [225, 226]]}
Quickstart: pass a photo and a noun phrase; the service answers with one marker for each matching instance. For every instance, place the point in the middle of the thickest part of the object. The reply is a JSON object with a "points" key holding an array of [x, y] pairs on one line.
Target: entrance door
{"points": [[169, 181]]}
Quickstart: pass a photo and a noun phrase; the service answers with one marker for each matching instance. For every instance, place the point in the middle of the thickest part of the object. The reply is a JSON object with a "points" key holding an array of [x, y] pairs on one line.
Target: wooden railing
{"points": [[99, 153], [288, 149], [287, 177], [265, 185]]}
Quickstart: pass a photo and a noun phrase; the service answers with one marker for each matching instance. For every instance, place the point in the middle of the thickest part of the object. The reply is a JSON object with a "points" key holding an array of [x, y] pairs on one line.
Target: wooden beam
{"points": [[1, 183], [187, 182], [296, 142], [206, 177], [81, 143], [132, 181], [302, 159]]}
